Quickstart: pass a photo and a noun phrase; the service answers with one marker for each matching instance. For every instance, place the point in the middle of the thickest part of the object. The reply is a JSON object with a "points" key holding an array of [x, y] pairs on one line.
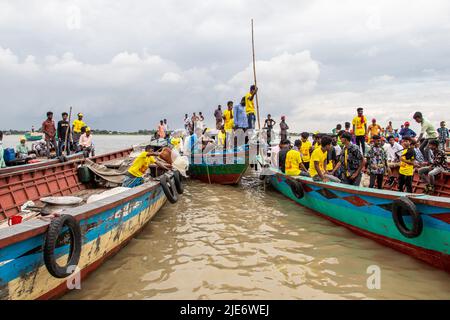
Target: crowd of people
{"points": [[60, 138], [360, 147]]}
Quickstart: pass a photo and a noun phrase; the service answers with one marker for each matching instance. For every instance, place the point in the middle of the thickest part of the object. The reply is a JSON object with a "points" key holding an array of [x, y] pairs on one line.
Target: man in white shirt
{"points": [[86, 143], [393, 150]]}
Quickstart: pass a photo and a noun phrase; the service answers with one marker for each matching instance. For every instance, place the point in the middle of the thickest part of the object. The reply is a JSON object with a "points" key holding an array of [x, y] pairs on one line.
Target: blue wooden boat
{"points": [[44, 256], [418, 225]]}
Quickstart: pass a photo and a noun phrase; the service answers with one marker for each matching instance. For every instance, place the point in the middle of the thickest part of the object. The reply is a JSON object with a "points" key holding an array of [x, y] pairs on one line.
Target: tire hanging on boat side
{"points": [[405, 207], [169, 189], [51, 243], [297, 188], [178, 183]]}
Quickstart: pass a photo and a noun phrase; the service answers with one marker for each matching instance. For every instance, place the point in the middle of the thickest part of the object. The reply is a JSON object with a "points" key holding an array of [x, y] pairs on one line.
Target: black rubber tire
{"points": [[404, 206], [169, 189], [53, 232], [178, 183], [297, 188]]}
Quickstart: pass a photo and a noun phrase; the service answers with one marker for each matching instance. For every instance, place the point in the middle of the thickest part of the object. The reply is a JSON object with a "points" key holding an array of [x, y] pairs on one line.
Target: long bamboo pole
{"points": [[254, 76], [69, 131]]}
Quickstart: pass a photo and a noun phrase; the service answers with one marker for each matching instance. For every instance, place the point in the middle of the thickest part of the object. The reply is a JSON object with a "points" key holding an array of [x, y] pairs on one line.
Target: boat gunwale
{"points": [[32, 228], [385, 194], [33, 167]]}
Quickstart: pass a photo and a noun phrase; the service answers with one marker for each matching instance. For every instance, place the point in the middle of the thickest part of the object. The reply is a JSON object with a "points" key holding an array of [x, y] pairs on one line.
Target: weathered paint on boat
{"points": [[33, 182], [367, 212], [107, 225]]}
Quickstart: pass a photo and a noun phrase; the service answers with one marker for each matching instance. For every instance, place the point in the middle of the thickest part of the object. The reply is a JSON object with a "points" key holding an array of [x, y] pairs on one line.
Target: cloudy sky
{"points": [[127, 64]]}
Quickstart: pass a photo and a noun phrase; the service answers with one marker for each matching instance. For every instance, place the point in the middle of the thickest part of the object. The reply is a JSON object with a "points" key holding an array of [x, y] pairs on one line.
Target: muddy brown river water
{"points": [[244, 242]]}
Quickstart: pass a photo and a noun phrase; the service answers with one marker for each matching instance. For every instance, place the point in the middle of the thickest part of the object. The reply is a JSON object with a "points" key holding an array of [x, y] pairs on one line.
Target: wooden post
{"points": [[254, 77]]}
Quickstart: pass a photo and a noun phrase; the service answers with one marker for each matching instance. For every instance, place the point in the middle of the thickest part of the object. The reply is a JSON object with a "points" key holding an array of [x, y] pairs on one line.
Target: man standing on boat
{"points": [[305, 149], [443, 135], [228, 117], [240, 116], [428, 132], [377, 163], [250, 107], [360, 129], [49, 129], [63, 135], [351, 161], [319, 161], [187, 124], [374, 129], [77, 125], [283, 128], [268, 125], [219, 117]]}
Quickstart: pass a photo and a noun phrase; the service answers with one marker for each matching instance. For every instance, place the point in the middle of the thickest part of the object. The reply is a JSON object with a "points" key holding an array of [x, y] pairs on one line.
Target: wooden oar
{"points": [[254, 76], [67, 133]]}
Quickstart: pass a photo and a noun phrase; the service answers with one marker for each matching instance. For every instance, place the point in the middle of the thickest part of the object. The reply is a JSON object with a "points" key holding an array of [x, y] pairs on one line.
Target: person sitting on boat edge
{"points": [[351, 161], [294, 165], [22, 152], [377, 163], [285, 146], [318, 162], [437, 166], [85, 142], [406, 170]]}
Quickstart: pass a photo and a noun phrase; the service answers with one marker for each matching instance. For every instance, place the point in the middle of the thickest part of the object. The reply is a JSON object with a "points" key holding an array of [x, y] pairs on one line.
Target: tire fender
{"points": [[178, 183], [297, 188], [169, 189], [51, 242], [404, 206]]}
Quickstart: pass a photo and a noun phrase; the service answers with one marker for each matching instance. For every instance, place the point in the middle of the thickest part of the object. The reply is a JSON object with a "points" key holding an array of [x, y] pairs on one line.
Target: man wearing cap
{"points": [[250, 107], [21, 149], [86, 143], [76, 128], [360, 129], [283, 128], [406, 131], [374, 128]]}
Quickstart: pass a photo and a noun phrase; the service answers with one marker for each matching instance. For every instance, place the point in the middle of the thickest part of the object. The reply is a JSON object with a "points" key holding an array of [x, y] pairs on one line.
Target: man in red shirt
{"points": [[49, 129]]}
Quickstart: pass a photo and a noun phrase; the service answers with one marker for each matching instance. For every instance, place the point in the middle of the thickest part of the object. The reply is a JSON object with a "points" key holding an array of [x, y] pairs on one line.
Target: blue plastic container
{"points": [[9, 155]]}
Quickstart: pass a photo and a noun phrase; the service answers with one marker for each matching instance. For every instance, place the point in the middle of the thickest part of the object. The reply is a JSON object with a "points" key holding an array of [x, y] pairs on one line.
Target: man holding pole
{"points": [[250, 106], [63, 135]]}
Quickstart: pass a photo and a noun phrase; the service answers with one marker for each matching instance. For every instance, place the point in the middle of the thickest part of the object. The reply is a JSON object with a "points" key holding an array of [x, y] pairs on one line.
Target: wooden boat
{"points": [[33, 136], [225, 168], [417, 225], [85, 236]]}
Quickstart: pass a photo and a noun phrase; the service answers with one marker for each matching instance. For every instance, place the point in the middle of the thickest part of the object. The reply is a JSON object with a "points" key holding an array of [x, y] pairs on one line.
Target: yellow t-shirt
{"points": [[249, 104], [374, 129], [140, 164], [293, 160], [330, 165], [222, 136], [317, 155], [77, 125], [175, 142], [229, 122], [406, 169], [360, 129], [316, 146], [305, 149]]}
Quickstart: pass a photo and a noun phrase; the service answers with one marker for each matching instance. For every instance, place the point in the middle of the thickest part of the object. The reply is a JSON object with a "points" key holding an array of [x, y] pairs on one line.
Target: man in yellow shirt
{"points": [[135, 174], [229, 117], [294, 165], [305, 149], [374, 128], [318, 163], [360, 129], [250, 107], [406, 171], [77, 125]]}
